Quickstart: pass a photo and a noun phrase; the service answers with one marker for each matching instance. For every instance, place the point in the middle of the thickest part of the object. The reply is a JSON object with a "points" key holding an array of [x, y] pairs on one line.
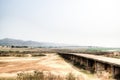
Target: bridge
{"points": [[94, 63]]}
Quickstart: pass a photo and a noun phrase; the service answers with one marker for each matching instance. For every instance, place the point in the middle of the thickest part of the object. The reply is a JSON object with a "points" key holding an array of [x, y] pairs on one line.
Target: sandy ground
{"points": [[10, 66]]}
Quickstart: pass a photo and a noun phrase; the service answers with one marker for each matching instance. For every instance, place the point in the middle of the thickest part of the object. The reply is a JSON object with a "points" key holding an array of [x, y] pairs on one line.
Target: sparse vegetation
{"points": [[70, 76], [20, 54], [40, 75], [104, 75]]}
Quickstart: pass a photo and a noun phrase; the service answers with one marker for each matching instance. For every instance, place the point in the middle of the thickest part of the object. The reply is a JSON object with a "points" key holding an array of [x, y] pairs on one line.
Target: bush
{"points": [[30, 76], [38, 75], [70, 76]]}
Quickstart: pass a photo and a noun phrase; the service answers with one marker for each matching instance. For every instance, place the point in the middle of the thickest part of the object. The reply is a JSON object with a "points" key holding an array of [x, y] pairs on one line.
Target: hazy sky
{"points": [[80, 22]]}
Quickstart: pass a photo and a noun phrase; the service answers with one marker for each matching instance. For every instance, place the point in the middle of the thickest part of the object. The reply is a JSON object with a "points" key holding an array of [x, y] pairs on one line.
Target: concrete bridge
{"points": [[94, 63]]}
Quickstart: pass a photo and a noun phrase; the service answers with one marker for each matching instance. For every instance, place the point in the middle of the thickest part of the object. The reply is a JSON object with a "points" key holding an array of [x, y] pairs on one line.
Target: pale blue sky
{"points": [[80, 22]]}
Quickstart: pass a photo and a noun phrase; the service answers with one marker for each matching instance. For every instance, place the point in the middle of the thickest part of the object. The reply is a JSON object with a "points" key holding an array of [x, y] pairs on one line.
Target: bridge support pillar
{"points": [[116, 74]]}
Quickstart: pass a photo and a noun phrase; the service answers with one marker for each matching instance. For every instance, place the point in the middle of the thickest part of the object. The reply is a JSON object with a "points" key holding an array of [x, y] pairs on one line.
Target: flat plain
{"points": [[53, 63]]}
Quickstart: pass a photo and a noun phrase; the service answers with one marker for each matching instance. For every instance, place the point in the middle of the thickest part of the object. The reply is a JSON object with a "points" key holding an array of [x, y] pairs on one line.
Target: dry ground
{"points": [[10, 66]]}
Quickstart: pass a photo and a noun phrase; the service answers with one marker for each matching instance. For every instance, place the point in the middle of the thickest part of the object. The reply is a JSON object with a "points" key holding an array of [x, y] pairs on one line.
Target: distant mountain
{"points": [[15, 42]]}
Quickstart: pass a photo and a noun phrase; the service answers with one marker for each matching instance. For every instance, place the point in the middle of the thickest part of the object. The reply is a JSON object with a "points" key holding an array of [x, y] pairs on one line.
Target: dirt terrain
{"points": [[10, 66]]}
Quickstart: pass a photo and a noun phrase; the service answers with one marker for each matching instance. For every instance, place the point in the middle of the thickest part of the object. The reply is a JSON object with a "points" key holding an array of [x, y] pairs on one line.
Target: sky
{"points": [[78, 22]]}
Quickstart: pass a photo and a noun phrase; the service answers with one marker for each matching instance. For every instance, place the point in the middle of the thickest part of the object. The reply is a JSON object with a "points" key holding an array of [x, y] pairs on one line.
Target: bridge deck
{"points": [[103, 59]]}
